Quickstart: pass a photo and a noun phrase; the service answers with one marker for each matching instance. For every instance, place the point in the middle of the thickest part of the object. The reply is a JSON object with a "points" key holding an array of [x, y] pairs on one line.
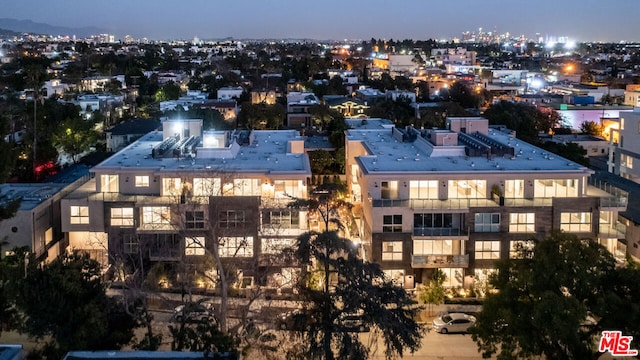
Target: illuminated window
{"points": [[276, 245], [487, 250], [194, 246], [194, 219], [467, 189], [391, 250], [122, 216], [519, 249], [487, 222], [171, 186], [283, 189], [142, 181], [246, 187], [575, 221], [282, 219], [230, 219], [156, 215], [522, 222], [109, 183], [423, 189], [549, 188], [236, 246], [79, 215], [436, 247], [514, 188], [206, 187], [389, 190], [392, 223]]}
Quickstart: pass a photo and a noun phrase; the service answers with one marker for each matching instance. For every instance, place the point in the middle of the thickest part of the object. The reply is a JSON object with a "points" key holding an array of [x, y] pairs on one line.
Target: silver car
{"points": [[453, 322]]}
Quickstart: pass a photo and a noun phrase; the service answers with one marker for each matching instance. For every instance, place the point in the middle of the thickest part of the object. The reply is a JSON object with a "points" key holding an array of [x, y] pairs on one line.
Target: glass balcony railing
{"points": [[439, 261], [431, 231]]}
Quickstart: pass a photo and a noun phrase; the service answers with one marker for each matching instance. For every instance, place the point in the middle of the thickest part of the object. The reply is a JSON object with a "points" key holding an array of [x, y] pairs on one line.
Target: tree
{"points": [[462, 94], [321, 161], [75, 136], [66, 300], [170, 91], [433, 292], [350, 286], [591, 128], [555, 299], [525, 119]]}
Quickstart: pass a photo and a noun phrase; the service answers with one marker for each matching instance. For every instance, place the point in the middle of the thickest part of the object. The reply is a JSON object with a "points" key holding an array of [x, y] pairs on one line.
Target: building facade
{"points": [[460, 198]]}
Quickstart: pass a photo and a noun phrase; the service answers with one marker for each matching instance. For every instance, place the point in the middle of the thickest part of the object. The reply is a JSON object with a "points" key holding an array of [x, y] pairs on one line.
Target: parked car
{"points": [[295, 320], [353, 322], [193, 312], [453, 322]]}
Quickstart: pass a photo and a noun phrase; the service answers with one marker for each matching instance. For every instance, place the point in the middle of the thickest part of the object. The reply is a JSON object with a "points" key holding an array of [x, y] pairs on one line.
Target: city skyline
{"points": [[331, 19]]}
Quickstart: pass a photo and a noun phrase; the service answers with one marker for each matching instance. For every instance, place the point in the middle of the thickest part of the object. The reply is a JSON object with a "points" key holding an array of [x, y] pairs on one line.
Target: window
{"points": [[549, 188], [522, 222], [194, 219], [171, 186], [122, 216], [389, 190], [206, 187], [285, 188], [276, 245], [392, 223], [230, 219], [453, 277], [423, 189], [391, 250], [109, 183], [518, 249], [575, 221], [142, 181], [236, 246], [424, 223], [156, 215], [626, 161], [282, 219], [487, 222], [246, 187], [79, 215], [487, 250], [436, 247], [194, 246], [467, 189], [514, 188], [130, 243]]}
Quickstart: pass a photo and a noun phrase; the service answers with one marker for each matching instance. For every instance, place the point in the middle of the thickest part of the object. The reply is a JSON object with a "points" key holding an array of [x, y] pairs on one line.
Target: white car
{"points": [[453, 322]]}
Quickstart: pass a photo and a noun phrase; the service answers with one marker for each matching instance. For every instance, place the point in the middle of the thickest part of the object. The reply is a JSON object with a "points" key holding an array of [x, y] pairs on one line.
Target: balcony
{"points": [[431, 231], [434, 204], [164, 254], [615, 231], [527, 202], [439, 261]]}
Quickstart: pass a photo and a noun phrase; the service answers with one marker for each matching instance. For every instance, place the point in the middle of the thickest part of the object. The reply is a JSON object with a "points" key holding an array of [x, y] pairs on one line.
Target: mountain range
{"points": [[28, 26]]}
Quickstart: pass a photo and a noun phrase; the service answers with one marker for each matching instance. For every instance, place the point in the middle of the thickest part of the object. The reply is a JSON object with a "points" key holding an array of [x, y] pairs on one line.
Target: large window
{"points": [[391, 250], [284, 189], [236, 246], [109, 183], [436, 247], [206, 187], [142, 181], [79, 215], [522, 222], [282, 219], [247, 187], [156, 215], [453, 277], [549, 188], [194, 219], [122, 216], [276, 245], [130, 243], [575, 221], [487, 250], [423, 189], [194, 246], [171, 186], [392, 223], [467, 189], [514, 188], [230, 219], [487, 222], [389, 190]]}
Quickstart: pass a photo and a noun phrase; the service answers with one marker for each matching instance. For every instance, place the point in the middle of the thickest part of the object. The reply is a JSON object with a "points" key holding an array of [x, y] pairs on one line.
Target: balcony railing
{"points": [[434, 203], [430, 231], [618, 230], [439, 261], [528, 202]]}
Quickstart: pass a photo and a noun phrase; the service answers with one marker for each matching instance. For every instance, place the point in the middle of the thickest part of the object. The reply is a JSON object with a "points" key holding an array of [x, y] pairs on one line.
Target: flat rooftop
{"points": [[32, 194], [389, 154], [267, 153]]}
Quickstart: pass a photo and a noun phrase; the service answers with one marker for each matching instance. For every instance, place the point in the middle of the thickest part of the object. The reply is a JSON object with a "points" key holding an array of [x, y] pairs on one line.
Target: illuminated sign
{"points": [[616, 344]]}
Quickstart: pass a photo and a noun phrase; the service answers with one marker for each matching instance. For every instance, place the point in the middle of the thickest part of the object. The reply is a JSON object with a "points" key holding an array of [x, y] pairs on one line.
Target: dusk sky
{"points": [[580, 20]]}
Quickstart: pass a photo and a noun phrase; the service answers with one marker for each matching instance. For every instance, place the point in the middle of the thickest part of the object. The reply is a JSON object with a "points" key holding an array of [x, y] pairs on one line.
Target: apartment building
{"points": [[457, 199], [180, 194], [624, 154]]}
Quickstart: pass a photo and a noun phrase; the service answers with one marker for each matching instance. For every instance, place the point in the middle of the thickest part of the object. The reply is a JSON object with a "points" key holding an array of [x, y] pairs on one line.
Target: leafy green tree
{"points": [[350, 286], [570, 151], [462, 94], [201, 337], [75, 136], [170, 91], [321, 161], [433, 292], [555, 300], [591, 128], [8, 207], [525, 119], [66, 301]]}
